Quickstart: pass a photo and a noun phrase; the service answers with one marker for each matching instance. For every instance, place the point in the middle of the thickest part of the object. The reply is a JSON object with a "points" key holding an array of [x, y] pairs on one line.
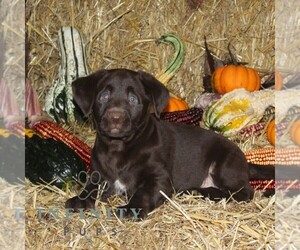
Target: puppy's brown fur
{"points": [[139, 154]]}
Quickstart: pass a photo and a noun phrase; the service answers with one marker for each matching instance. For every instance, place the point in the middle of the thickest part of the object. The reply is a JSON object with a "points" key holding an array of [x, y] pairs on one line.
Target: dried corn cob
{"points": [[269, 114], [49, 129], [191, 116], [272, 156], [292, 114], [287, 184], [252, 130], [287, 156], [281, 128], [18, 128], [263, 156], [258, 128], [279, 184], [262, 184]]}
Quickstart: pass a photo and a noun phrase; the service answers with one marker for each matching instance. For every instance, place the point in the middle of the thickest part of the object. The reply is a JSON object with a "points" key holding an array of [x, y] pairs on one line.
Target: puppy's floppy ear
{"points": [[158, 93], [85, 90]]}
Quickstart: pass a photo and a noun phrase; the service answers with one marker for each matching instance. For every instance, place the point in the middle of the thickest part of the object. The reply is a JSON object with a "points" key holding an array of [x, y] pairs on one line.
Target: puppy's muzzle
{"points": [[116, 121]]}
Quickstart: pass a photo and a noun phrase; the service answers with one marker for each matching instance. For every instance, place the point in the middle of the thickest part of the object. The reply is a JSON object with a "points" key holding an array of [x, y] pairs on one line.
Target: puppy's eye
{"points": [[132, 99], [104, 97]]}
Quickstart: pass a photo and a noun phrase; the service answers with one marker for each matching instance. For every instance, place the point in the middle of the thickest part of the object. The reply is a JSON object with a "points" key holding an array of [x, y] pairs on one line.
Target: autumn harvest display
{"points": [[220, 62]]}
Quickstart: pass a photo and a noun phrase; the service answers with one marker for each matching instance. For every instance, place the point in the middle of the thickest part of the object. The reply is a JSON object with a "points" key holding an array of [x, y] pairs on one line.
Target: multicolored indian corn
{"points": [[272, 156], [48, 129], [252, 130], [191, 116]]}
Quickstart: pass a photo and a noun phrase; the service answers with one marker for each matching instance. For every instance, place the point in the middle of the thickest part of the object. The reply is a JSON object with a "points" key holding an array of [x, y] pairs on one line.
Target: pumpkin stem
{"points": [[232, 56]]}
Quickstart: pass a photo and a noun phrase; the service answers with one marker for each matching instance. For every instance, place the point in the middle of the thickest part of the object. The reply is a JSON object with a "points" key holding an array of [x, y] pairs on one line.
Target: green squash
{"points": [[47, 160]]}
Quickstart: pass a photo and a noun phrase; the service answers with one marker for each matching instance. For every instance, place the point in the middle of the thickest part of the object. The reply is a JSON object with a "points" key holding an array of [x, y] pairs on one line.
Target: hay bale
{"points": [[122, 35]]}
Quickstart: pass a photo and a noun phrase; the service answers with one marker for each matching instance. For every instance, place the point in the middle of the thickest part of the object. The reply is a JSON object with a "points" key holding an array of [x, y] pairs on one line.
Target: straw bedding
{"points": [[192, 223], [122, 34], [12, 230]]}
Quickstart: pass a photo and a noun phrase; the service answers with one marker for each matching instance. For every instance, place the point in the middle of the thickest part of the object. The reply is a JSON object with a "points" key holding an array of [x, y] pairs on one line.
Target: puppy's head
{"points": [[119, 99]]}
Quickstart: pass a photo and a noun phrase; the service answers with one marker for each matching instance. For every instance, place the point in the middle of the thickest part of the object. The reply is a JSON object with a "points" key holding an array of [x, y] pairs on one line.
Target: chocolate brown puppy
{"points": [[140, 155]]}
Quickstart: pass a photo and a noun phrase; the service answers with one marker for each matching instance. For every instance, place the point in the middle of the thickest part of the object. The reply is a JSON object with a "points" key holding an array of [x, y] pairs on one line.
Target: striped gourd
{"points": [[59, 100], [167, 73], [236, 110]]}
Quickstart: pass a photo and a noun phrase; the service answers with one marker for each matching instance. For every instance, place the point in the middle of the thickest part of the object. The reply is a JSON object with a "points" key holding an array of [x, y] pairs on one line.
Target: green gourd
{"points": [[48, 160]]}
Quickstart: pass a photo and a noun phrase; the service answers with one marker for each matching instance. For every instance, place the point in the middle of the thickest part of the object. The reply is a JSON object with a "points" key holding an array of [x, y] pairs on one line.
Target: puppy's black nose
{"points": [[116, 115]]}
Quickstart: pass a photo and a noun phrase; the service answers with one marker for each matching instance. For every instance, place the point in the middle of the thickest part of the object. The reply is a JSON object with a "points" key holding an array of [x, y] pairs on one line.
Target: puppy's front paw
{"points": [[76, 203], [106, 195]]}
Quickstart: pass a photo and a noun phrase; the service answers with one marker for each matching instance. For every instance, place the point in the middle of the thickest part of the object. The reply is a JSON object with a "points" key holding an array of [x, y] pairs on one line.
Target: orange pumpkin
{"points": [[176, 104], [271, 132], [295, 132], [230, 77], [278, 81]]}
